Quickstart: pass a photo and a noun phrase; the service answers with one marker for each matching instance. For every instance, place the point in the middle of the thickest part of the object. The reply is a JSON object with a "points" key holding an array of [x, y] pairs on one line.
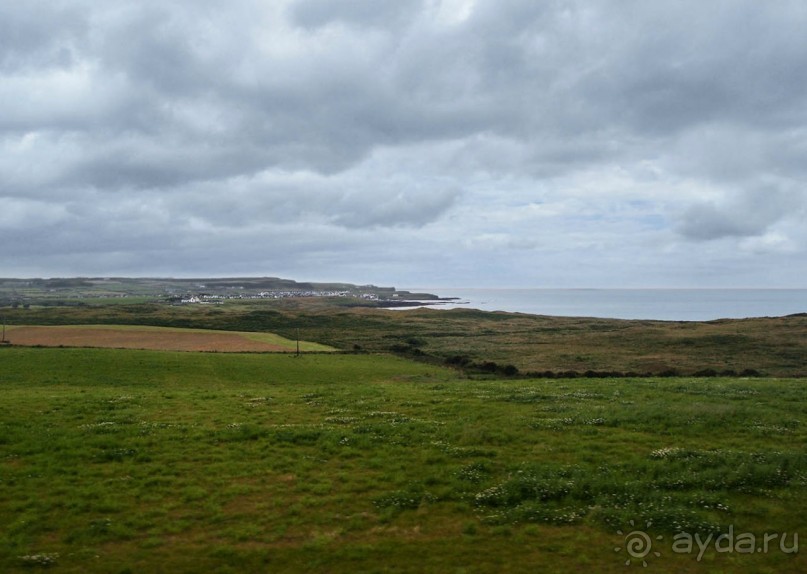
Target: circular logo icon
{"points": [[638, 545]]}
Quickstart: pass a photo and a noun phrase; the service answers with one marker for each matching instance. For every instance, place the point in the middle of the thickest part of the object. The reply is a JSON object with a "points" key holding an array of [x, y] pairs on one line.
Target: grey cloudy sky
{"points": [[411, 142]]}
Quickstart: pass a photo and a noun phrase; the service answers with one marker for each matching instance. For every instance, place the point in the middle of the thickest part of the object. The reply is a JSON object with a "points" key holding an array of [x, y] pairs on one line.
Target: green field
{"points": [[145, 461]]}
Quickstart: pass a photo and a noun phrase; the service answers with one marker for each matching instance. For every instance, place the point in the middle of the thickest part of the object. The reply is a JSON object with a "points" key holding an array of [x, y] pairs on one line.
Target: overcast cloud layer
{"points": [[414, 143]]}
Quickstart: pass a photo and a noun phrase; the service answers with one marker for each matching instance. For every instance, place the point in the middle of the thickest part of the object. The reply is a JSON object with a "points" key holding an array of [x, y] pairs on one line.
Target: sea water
{"points": [[661, 304]]}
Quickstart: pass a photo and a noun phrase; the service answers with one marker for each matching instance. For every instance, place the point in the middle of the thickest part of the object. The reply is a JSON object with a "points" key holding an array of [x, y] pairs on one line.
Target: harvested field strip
{"points": [[155, 338]]}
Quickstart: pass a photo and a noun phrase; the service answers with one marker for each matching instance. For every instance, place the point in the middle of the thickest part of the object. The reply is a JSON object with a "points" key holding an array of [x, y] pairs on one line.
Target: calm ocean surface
{"points": [[662, 304]]}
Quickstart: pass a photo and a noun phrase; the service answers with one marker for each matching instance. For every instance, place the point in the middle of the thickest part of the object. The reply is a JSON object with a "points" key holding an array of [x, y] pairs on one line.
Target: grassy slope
{"points": [[169, 462]]}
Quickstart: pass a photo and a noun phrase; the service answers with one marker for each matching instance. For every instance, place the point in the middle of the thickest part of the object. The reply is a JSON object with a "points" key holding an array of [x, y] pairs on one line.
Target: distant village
{"points": [[218, 298]]}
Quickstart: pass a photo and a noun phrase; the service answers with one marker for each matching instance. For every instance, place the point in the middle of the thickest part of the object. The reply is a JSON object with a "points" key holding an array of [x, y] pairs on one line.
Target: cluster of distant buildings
{"points": [[213, 299]]}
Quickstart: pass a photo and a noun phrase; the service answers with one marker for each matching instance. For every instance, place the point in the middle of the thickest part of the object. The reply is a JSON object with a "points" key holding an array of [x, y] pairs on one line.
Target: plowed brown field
{"points": [[134, 338]]}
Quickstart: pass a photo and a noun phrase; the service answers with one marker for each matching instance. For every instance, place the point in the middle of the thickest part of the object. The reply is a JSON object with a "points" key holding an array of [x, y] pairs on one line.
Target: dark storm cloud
{"points": [[38, 35], [187, 128], [316, 13], [749, 213], [406, 207]]}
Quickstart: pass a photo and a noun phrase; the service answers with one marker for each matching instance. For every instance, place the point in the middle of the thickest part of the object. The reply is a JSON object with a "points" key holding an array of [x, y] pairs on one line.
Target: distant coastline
{"points": [[195, 291]]}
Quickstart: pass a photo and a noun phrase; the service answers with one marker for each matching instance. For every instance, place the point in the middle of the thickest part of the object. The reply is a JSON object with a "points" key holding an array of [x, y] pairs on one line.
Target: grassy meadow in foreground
{"points": [[134, 461]]}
